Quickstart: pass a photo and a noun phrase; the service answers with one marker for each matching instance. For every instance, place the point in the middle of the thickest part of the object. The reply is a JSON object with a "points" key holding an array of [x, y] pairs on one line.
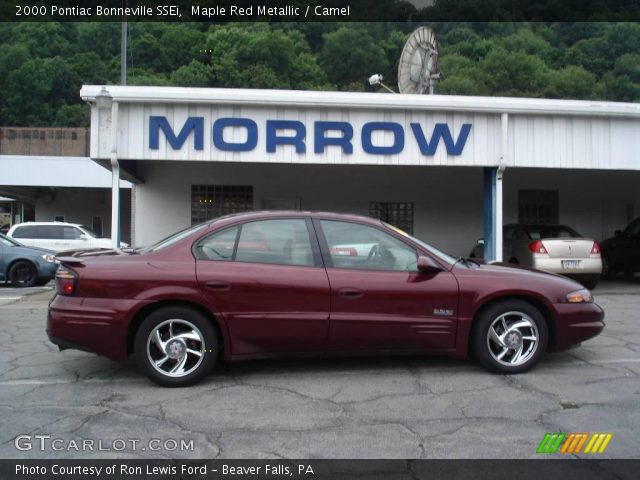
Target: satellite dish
{"points": [[417, 69]]}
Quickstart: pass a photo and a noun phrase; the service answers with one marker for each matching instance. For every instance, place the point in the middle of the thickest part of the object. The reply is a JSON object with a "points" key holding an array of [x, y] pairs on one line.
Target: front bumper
{"points": [[575, 323]]}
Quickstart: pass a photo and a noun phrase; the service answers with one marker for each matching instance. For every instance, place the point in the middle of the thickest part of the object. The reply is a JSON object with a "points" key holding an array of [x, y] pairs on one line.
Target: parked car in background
{"points": [[59, 236], [554, 248], [25, 266], [622, 252], [273, 284]]}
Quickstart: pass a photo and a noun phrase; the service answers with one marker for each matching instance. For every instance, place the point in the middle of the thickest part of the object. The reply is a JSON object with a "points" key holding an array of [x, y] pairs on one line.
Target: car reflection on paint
{"points": [[274, 284]]}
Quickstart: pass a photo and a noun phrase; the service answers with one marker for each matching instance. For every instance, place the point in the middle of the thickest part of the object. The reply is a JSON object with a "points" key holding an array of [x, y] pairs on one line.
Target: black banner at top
{"points": [[221, 11]]}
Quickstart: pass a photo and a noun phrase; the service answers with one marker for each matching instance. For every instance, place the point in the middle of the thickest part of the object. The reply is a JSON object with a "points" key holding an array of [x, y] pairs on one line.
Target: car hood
{"points": [[28, 251], [518, 277]]}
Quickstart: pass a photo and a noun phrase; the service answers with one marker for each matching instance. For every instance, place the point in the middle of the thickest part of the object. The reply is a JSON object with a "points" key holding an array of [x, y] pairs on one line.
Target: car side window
{"points": [[218, 246], [354, 246], [633, 230], [278, 241], [71, 233]]}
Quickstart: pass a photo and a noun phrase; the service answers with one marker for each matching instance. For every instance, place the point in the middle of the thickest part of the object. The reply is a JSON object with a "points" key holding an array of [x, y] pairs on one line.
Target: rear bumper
{"points": [[575, 323], [97, 325], [591, 266]]}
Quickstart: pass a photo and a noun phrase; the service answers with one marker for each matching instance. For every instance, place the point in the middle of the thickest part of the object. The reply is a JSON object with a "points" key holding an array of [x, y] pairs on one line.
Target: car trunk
{"points": [[568, 247]]}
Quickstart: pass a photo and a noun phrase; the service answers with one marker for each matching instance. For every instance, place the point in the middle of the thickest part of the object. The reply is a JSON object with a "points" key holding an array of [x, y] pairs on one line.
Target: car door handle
{"points": [[350, 293], [218, 286]]}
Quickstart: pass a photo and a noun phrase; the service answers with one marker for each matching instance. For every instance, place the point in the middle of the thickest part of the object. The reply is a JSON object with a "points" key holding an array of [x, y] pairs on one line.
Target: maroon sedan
{"points": [[270, 284]]}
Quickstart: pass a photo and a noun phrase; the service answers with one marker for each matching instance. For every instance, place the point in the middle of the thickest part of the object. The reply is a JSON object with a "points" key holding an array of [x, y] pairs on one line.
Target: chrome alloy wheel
{"points": [[512, 338], [175, 347]]}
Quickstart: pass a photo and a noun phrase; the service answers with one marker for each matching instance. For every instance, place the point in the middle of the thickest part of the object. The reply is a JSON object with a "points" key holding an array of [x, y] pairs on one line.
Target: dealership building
{"points": [[449, 169]]}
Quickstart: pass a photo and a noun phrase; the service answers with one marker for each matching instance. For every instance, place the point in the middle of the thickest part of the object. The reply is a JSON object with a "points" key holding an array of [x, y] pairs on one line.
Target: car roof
{"points": [[24, 224], [263, 214]]}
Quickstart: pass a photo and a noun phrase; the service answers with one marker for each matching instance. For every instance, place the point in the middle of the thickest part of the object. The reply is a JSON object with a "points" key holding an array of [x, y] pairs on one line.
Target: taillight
{"points": [[595, 250], [538, 247], [66, 280]]}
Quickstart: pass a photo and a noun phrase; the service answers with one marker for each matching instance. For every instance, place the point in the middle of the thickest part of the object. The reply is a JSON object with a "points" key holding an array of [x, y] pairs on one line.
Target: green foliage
{"points": [[349, 54], [44, 64]]}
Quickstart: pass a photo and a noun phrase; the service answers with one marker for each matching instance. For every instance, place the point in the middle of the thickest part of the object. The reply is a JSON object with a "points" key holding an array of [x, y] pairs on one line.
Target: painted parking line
{"points": [[40, 381]]}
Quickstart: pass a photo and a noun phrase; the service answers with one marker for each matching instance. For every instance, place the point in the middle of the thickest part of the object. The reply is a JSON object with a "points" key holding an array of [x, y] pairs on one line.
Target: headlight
{"points": [[48, 258], [580, 296]]}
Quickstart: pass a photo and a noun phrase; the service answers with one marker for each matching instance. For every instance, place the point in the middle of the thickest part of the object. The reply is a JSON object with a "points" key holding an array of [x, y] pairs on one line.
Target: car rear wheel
{"points": [[23, 274], [509, 337], [176, 346]]}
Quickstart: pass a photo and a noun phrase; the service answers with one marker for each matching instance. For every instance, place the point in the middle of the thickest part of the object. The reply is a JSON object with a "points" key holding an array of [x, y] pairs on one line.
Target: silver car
{"points": [[554, 248]]}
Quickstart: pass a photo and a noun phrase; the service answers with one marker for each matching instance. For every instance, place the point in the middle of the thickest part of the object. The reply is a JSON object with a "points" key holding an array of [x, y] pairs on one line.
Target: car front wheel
{"points": [[509, 337], [176, 346], [23, 274]]}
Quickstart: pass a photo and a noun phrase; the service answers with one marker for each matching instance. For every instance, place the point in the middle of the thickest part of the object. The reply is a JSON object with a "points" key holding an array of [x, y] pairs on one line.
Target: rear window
{"points": [[537, 232]]}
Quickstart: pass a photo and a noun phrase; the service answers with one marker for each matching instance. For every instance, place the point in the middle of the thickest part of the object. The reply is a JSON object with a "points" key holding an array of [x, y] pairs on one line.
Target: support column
{"points": [[115, 179], [493, 199], [491, 226]]}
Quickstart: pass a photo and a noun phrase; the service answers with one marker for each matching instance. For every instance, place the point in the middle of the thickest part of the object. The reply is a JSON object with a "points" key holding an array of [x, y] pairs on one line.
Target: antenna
{"points": [[417, 69]]}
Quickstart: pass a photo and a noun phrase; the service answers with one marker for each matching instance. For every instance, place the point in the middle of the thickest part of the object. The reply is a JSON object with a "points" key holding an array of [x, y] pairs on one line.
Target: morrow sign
{"points": [[293, 132]]}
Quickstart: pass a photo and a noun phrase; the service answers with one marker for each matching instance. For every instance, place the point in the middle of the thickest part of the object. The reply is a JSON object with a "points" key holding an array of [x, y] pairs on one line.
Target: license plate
{"points": [[571, 264]]}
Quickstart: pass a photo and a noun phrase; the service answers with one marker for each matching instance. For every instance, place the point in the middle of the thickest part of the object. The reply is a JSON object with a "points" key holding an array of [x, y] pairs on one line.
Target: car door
{"points": [[379, 301], [4, 245], [266, 279], [627, 247]]}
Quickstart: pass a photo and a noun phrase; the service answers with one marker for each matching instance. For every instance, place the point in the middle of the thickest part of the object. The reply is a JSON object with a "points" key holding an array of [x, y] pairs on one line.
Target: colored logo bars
{"points": [[573, 442]]}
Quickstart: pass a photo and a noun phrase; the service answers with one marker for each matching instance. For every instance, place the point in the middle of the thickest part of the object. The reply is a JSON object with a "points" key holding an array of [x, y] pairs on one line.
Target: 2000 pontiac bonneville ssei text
{"points": [[269, 284]]}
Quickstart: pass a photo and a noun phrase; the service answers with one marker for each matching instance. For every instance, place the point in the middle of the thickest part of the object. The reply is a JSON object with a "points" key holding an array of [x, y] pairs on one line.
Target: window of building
{"points": [[398, 214], [212, 201], [538, 207]]}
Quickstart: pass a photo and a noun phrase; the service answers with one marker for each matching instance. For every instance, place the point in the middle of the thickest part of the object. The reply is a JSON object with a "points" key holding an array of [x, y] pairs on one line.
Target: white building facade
{"points": [[450, 169]]}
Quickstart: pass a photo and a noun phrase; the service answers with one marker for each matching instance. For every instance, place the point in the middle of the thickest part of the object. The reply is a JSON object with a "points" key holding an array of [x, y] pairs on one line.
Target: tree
{"points": [[351, 55], [262, 56]]}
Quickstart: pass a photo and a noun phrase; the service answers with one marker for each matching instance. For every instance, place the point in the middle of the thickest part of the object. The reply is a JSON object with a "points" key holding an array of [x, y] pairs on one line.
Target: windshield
{"points": [[89, 232], [429, 248], [9, 242], [171, 239], [537, 232]]}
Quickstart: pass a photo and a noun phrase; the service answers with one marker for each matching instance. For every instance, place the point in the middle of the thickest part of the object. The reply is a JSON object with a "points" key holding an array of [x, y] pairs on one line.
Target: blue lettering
{"points": [[193, 124], [320, 140], [398, 142], [297, 140], [441, 130], [218, 134]]}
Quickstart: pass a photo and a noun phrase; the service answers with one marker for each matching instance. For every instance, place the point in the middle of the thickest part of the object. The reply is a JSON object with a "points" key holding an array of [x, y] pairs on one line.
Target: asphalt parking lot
{"points": [[413, 407]]}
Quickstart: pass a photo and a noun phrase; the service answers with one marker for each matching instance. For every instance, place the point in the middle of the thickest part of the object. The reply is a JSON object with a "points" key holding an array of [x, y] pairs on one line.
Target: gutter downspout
{"points": [[115, 179], [500, 172]]}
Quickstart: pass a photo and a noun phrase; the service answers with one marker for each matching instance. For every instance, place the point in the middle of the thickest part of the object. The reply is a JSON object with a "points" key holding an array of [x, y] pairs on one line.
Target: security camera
{"points": [[375, 79]]}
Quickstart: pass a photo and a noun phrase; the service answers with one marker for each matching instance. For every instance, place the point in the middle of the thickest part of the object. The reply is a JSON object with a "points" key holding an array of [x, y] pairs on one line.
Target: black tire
{"points": [[607, 268], [590, 284], [23, 274], [178, 327], [488, 350]]}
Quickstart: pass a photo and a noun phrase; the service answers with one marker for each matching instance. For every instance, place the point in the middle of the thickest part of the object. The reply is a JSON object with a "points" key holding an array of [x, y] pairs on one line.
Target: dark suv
{"points": [[622, 252]]}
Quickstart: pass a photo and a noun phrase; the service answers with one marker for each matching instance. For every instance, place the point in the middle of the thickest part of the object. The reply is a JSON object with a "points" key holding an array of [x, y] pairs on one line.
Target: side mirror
{"points": [[84, 237], [426, 265], [480, 241], [618, 233]]}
